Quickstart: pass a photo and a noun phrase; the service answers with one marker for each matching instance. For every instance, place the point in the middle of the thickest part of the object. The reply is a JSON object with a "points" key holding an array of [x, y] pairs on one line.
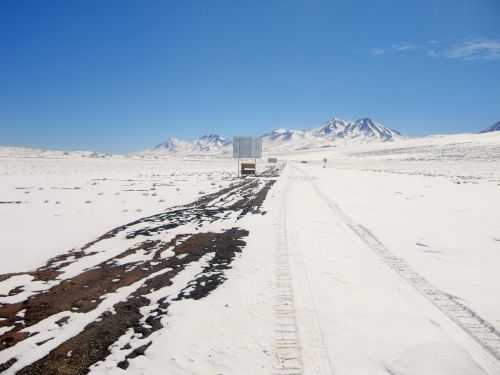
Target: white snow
{"points": [[54, 218], [356, 315], [365, 264]]}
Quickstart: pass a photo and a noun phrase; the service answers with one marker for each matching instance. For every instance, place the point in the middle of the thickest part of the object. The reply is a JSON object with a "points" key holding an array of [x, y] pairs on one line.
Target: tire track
{"points": [[287, 350], [482, 339], [299, 340]]}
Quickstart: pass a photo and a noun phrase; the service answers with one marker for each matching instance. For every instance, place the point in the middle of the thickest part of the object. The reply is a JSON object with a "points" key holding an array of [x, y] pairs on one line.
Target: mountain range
{"points": [[332, 133], [207, 144]]}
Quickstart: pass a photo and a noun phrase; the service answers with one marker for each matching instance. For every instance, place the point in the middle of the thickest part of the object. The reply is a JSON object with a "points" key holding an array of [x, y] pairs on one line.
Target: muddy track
{"points": [[147, 255]]}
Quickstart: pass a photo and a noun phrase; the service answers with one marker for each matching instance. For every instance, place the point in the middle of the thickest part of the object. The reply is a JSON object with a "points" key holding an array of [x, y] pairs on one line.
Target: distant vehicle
{"points": [[248, 169], [304, 161], [272, 160]]}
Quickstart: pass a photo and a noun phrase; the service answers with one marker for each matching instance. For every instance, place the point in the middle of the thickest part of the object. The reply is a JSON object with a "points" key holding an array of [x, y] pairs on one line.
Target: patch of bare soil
{"points": [[162, 262], [92, 345]]}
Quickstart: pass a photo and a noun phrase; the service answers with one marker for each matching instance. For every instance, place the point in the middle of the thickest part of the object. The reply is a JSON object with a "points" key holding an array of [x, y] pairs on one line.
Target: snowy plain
{"points": [[441, 213], [345, 273], [63, 202]]}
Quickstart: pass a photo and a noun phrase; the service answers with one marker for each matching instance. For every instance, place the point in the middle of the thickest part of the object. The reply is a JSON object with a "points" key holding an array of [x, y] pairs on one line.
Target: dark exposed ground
{"points": [[92, 344], [162, 262]]}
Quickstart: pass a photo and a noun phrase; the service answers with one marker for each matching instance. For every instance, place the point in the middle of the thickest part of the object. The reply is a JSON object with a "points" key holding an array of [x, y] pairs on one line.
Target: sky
{"points": [[122, 76]]}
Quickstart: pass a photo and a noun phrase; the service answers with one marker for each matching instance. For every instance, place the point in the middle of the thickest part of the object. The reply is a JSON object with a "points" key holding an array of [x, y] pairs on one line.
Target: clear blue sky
{"points": [[124, 75]]}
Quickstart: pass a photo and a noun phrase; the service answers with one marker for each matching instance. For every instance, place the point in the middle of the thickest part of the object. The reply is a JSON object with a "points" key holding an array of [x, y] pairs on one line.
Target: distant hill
{"points": [[28, 152], [493, 128]]}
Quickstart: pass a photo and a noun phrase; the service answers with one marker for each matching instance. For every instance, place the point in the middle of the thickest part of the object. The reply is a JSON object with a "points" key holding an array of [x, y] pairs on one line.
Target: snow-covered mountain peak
{"points": [[366, 127], [363, 128], [493, 128], [331, 127], [333, 132], [211, 143], [169, 145], [279, 131], [283, 134], [208, 143], [213, 138]]}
